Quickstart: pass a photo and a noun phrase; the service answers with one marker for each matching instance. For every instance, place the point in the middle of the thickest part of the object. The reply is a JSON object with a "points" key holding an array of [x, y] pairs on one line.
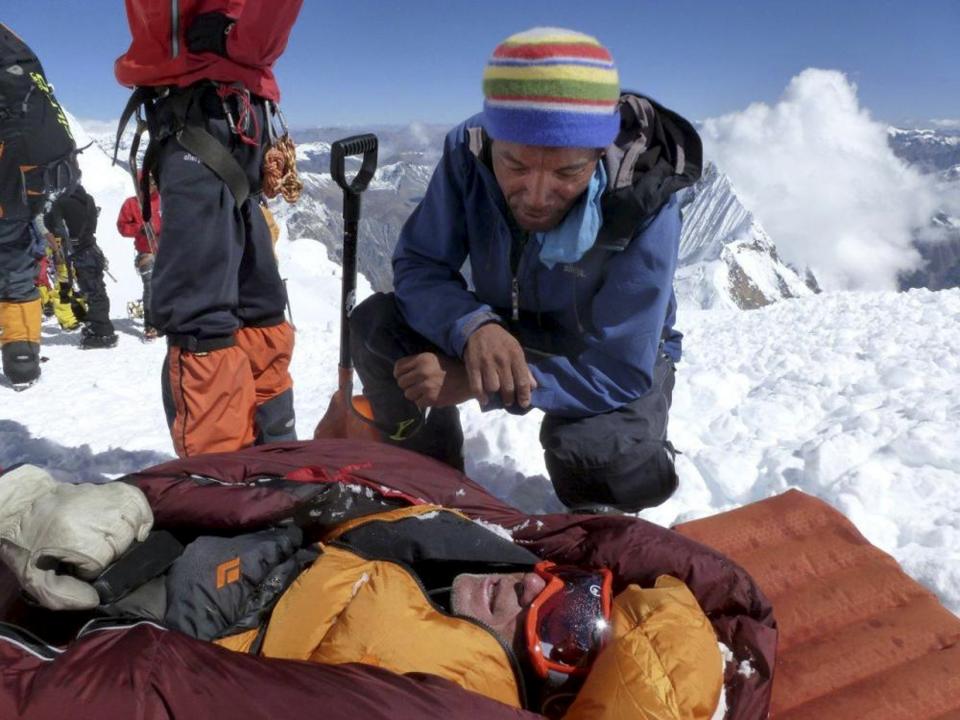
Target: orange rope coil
{"points": [[280, 171]]}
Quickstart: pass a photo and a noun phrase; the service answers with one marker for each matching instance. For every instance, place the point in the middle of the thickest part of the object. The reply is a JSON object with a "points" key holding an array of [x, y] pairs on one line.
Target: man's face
{"points": [[541, 184], [498, 601]]}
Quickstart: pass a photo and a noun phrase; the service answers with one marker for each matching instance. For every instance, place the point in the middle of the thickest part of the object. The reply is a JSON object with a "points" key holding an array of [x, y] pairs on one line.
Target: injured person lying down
{"points": [[354, 579]]}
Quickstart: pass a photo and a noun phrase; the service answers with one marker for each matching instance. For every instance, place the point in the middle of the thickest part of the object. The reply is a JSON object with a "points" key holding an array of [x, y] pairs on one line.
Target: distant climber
{"points": [[130, 223], [72, 219]]}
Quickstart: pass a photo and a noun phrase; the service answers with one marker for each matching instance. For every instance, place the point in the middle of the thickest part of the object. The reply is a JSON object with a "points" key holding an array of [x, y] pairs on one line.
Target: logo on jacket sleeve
{"points": [[228, 572]]}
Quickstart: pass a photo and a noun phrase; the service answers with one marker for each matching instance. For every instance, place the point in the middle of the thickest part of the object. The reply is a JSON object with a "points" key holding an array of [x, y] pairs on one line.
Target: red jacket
{"points": [[130, 221], [158, 54]]}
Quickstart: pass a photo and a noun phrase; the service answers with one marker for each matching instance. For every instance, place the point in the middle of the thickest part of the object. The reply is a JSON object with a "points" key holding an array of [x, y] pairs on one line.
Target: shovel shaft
{"points": [[348, 292]]}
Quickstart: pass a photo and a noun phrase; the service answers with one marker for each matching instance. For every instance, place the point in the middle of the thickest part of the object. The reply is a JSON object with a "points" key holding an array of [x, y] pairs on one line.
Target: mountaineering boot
{"points": [[20, 341], [21, 363], [91, 341]]}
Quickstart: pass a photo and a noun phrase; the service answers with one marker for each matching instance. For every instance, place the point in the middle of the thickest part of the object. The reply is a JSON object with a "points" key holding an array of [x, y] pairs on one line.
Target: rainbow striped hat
{"points": [[552, 87]]}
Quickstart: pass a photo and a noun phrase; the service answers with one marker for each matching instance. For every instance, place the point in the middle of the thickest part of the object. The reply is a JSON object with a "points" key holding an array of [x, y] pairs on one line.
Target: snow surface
{"points": [[852, 397]]}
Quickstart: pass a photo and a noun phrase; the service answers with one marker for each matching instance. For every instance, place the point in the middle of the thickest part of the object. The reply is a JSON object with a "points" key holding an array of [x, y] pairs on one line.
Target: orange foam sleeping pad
{"points": [[859, 638]]}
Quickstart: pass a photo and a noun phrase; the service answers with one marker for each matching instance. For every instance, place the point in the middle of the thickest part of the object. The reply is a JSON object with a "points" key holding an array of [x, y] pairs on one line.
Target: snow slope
{"points": [[853, 397]]}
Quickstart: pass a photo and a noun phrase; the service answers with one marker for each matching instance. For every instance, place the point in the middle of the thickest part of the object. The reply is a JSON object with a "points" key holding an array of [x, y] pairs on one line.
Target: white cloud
{"points": [[420, 133], [946, 123], [816, 170]]}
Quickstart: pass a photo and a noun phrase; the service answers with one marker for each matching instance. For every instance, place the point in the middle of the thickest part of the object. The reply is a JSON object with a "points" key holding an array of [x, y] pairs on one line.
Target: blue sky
{"points": [[365, 62]]}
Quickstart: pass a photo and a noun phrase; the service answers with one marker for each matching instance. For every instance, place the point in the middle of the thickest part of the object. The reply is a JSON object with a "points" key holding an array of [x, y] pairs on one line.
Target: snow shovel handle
{"points": [[340, 150]]}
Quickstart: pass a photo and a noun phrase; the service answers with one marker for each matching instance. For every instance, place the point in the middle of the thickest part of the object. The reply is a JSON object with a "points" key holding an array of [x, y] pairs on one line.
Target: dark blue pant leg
{"points": [[620, 459], [379, 336]]}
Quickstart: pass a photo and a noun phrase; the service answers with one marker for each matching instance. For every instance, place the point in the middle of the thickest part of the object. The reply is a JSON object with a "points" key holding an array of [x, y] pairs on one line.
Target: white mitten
{"points": [[87, 526]]}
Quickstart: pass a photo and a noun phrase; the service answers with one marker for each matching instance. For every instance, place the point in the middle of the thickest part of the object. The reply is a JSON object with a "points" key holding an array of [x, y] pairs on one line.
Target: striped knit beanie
{"points": [[551, 87]]}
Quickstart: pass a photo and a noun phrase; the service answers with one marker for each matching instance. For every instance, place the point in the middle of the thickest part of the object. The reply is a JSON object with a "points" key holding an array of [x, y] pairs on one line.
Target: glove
{"points": [[78, 304], [87, 526], [208, 33], [66, 292]]}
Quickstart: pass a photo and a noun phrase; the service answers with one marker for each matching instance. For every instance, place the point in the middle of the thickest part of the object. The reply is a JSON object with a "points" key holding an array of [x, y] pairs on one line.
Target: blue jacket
{"points": [[592, 329]]}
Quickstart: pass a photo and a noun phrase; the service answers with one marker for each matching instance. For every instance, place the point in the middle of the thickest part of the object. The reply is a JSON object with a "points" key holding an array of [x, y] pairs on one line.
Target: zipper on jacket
{"points": [[175, 27], [511, 656], [576, 304], [516, 262]]}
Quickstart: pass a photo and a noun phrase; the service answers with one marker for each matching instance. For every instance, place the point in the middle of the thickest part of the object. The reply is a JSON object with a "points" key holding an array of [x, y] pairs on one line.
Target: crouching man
{"points": [[560, 196]]}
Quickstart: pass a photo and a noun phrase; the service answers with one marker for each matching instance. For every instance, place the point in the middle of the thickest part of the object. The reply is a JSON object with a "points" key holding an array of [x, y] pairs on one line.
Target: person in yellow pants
{"points": [[57, 295]]}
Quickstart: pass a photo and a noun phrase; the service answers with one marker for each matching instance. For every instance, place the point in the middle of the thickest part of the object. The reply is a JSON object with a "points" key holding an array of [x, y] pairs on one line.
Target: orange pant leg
{"points": [[214, 398], [269, 350]]}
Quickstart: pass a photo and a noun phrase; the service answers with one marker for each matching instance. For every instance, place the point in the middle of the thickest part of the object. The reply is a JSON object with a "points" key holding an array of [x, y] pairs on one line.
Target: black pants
{"points": [[89, 266], [19, 257], [620, 458], [214, 269], [144, 265]]}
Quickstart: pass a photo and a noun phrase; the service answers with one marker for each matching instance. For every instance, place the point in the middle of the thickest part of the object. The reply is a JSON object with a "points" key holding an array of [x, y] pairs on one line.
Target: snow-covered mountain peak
{"points": [[313, 151], [928, 150], [924, 135], [726, 258], [712, 214], [390, 177]]}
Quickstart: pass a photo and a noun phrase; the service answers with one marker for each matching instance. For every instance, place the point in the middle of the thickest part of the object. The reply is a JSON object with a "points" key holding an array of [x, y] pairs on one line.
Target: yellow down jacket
{"points": [[662, 662]]}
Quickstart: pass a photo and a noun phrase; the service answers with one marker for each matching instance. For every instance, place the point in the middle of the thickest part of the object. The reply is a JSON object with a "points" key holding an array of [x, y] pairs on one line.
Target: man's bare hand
{"points": [[495, 363], [431, 380]]}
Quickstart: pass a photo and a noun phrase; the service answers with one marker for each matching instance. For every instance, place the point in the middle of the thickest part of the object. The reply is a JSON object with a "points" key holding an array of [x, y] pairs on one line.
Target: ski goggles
{"points": [[568, 623]]}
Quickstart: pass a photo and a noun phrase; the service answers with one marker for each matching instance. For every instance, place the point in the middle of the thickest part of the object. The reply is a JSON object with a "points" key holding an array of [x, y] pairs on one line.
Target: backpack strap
{"points": [[195, 139], [656, 153]]}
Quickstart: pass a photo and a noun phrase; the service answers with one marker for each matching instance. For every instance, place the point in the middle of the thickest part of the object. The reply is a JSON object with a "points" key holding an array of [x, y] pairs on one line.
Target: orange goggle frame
{"points": [[570, 618]]}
